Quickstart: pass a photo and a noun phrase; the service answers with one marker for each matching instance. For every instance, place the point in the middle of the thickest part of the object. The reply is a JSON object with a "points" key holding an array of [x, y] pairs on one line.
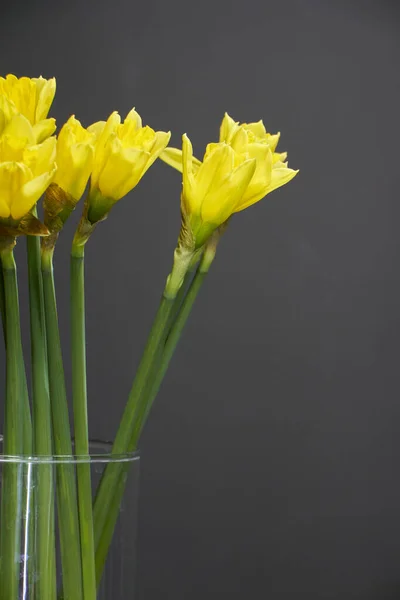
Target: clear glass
{"points": [[28, 476]]}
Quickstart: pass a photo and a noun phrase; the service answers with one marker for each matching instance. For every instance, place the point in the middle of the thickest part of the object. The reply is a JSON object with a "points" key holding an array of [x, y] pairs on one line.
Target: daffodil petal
{"points": [[19, 127], [135, 117], [215, 168], [45, 92], [218, 206], [161, 139], [257, 128], [41, 157], [97, 128], [227, 129], [121, 167], [44, 129], [30, 194], [280, 177]]}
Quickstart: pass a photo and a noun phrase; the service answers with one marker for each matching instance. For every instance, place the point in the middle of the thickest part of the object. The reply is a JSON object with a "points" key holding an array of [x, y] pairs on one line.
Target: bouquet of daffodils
{"points": [[109, 158]]}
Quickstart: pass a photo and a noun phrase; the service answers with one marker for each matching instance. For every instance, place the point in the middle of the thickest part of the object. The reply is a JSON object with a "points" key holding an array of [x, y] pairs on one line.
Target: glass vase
{"points": [[41, 553]]}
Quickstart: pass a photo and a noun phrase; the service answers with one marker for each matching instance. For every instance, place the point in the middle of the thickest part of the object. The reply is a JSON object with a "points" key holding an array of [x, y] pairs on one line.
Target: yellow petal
{"points": [[44, 129], [11, 149], [30, 193], [187, 160], [45, 92], [227, 129], [20, 128], [97, 128], [273, 140], [121, 171], [222, 201], [41, 157], [161, 140], [257, 128], [135, 117], [13, 175], [22, 92], [7, 111], [216, 167], [240, 141], [74, 170], [103, 145], [173, 158], [280, 177], [262, 176], [279, 157]]}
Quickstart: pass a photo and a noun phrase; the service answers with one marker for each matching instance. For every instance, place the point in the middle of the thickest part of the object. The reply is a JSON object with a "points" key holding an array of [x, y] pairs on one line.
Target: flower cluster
{"points": [[114, 155], [236, 172], [109, 158]]}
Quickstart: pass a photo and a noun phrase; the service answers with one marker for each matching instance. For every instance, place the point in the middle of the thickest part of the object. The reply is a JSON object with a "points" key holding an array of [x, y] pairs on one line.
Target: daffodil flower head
{"points": [[211, 189], [249, 141], [123, 153], [25, 173], [235, 173], [75, 152], [32, 98]]}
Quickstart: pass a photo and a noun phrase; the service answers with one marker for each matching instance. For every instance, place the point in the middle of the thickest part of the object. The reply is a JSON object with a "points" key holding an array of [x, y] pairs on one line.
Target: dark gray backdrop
{"points": [[270, 465]]}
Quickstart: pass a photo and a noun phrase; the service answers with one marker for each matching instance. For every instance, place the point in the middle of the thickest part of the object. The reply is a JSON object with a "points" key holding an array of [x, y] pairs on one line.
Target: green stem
{"points": [[27, 420], [181, 310], [3, 304], [66, 485], [27, 429], [45, 543], [79, 389], [133, 409], [169, 349], [28, 451], [11, 501], [106, 535]]}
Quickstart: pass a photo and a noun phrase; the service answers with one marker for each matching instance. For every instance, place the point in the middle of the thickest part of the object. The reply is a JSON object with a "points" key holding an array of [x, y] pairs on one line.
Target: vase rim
{"points": [[99, 452]]}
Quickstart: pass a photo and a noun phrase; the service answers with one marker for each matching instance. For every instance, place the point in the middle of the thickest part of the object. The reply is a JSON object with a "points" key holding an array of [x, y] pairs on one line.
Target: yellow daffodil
{"points": [[235, 173], [75, 151], [25, 173], [212, 191], [32, 98], [249, 141], [123, 154]]}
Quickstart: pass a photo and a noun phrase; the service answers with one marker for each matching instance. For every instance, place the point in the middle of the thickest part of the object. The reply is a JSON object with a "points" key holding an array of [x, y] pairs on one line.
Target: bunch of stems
{"points": [[85, 523]]}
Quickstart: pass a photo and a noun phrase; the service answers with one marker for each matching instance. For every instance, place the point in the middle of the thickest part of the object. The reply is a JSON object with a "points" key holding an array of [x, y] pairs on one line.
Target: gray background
{"points": [[270, 464]]}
